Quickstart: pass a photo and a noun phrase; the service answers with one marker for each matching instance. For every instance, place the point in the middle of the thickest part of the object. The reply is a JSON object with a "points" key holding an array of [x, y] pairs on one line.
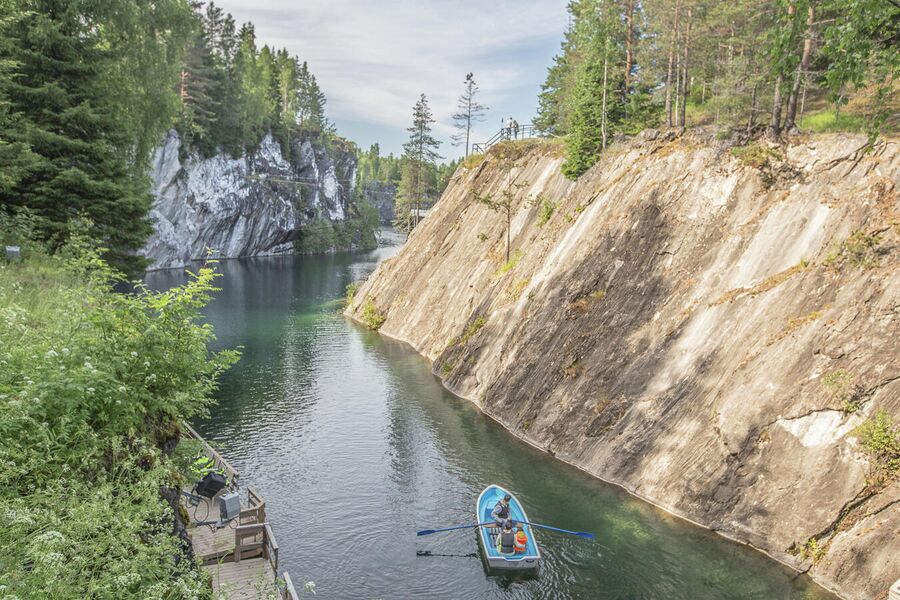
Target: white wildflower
{"points": [[134, 354], [65, 351], [51, 353], [310, 587], [91, 390], [50, 539]]}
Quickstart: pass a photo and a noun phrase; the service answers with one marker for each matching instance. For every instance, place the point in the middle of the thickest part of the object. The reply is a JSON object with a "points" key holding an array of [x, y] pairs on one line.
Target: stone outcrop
{"points": [[701, 325], [253, 205]]}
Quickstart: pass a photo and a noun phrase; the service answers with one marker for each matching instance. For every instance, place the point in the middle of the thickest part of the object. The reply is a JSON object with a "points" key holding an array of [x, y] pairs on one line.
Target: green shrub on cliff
{"points": [[880, 439], [371, 316], [93, 384]]}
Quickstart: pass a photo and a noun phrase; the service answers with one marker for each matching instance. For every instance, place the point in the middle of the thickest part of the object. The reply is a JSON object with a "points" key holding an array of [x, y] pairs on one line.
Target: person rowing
{"points": [[500, 514]]}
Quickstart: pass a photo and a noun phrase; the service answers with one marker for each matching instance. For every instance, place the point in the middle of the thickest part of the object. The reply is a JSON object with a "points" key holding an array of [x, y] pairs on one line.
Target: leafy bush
{"points": [[371, 316], [880, 440], [548, 207], [92, 385], [351, 291]]}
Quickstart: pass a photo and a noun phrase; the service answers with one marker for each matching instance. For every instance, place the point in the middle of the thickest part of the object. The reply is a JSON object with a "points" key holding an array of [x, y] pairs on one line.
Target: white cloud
{"points": [[374, 58]]}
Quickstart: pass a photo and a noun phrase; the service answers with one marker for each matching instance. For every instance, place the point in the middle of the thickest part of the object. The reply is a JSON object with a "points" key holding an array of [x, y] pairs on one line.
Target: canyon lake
{"points": [[355, 446]]}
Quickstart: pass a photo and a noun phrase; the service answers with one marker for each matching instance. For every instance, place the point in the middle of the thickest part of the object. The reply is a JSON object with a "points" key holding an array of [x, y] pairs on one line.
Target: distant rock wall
{"points": [[381, 195], [254, 205], [702, 326]]}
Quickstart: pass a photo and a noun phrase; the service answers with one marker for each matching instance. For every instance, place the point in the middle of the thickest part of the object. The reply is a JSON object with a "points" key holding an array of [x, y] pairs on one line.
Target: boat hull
{"points": [[526, 561]]}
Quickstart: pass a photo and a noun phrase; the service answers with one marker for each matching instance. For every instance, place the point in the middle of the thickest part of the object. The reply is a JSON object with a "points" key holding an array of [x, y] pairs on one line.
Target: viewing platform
{"points": [[241, 554], [522, 132]]}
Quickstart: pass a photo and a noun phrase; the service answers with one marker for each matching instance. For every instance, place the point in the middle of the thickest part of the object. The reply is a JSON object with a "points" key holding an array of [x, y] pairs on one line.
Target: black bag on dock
{"points": [[210, 485]]}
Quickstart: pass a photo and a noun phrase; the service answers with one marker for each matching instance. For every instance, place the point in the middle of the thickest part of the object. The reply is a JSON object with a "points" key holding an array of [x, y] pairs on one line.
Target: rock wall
{"points": [[701, 326], [253, 205], [382, 196]]}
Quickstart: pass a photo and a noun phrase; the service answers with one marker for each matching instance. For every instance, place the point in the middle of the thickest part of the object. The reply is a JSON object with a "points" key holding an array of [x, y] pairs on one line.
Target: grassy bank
{"points": [[93, 385]]}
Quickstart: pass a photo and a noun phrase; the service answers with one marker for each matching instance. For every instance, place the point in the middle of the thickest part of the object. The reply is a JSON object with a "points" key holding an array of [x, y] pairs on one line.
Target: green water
{"points": [[355, 445]]}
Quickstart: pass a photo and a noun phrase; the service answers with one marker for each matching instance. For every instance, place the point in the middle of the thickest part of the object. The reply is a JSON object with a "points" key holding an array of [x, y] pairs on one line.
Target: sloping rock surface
{"points": [[705, 330]]}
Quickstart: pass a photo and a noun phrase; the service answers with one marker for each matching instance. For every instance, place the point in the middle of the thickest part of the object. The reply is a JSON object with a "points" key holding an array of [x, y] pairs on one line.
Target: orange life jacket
{"points": [[521, 542]]}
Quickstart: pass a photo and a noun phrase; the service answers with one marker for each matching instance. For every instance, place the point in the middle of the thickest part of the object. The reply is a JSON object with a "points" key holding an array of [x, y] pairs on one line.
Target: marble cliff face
{"points": [[253, 205]]}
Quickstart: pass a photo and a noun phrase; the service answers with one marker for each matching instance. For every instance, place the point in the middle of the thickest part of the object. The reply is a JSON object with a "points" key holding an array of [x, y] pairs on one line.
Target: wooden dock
{"points": [[241, 556]]}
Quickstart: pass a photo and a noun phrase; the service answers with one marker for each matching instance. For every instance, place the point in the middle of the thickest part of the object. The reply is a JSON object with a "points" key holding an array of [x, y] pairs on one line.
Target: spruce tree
{"points": [[200, 90], [82, 148], [419, 154]]}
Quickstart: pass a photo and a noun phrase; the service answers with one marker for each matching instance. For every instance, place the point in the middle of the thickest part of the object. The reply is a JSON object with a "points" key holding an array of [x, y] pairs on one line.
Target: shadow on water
{"points": [[355, 445]]}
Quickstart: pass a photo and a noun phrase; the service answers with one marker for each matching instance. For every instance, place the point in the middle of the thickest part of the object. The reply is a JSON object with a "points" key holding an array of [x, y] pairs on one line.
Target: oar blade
{"points": [[425, 532]]}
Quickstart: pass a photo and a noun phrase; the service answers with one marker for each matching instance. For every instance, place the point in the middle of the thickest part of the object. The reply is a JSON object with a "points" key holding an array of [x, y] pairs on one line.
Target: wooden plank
{"points": [[246, 580], [290, 593]]}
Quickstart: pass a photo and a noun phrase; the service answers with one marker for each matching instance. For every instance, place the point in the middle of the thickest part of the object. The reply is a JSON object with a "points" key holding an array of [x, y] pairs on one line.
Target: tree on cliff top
{"points": [[420, 155], [470, 111]]}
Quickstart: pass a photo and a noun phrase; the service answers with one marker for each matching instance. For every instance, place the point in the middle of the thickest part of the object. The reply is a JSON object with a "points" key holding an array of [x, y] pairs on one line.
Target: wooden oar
{"points": [[584, 534], [430, 531]]}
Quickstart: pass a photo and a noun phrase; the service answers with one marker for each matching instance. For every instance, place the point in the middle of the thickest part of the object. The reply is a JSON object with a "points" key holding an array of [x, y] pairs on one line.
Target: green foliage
{"points": [[448, 367], [85, 108], [470, 112], [92, 383], [859, 250], [755, 155], [812, 549], [321, 236], [471, 329], [417, 182], [830, 121], [510, 264], [839, 385], [548, 207], [371, 315], [350, 292], [880, 440]]}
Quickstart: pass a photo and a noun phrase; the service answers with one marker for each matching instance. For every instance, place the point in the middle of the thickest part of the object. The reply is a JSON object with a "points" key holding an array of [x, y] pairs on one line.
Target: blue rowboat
{"points": [[488, 534]]}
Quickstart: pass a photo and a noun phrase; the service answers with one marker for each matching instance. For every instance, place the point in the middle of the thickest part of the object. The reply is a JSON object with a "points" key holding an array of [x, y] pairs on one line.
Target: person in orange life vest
{"points": [[506, 539], [521, 543]]}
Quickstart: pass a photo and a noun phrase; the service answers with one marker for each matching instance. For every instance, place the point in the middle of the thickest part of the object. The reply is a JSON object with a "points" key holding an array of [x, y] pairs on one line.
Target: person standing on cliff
{"points": [[509, 128], [515, 129]]}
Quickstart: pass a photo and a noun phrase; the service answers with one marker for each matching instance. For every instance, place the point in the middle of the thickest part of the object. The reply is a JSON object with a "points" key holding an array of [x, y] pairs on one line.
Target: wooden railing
{"points": [[290, 593], [255, 513], [230, 472]]}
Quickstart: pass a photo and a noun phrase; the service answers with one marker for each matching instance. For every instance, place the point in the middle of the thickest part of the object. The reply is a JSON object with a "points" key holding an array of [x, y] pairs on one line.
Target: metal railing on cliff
{"points": [[521, 132]]}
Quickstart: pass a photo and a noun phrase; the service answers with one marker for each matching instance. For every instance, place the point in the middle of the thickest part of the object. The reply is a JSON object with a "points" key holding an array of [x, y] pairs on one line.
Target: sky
{"points": [[373, 58]]}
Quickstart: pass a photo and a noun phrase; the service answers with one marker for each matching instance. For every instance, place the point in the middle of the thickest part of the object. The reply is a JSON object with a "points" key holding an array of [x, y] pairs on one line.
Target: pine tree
{"points": [[470, 112], [420, 154]]}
